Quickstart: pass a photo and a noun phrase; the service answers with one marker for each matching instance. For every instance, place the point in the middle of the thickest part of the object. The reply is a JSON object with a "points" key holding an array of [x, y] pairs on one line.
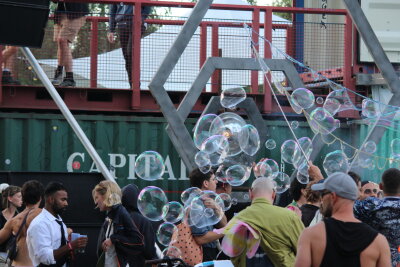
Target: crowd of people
{"points": [[336, 221]]}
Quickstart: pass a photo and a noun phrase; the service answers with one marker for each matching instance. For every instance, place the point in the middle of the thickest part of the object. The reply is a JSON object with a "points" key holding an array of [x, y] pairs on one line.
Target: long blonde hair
{"points": [[111, 192]]}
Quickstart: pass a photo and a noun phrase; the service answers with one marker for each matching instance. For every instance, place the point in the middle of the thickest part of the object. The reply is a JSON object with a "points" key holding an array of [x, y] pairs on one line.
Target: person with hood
{"points": [[120, 241], [130, 194]]}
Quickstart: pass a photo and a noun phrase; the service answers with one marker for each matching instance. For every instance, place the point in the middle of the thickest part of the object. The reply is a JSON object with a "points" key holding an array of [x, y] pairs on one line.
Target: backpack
{"points": [[192, 253], [12, 248]]}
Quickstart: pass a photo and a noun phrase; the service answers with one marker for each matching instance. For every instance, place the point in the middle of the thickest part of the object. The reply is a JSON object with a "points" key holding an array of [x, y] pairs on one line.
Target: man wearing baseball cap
{"points": [[340, 239]]}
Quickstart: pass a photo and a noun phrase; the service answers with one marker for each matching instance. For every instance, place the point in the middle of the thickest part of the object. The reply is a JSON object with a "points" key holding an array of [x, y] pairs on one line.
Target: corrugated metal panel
{"points": [[45, 142], [383, 15]]}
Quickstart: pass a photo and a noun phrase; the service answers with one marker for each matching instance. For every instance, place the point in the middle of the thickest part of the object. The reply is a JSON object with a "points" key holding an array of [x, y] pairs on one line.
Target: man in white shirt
{"points": [[47, 234]]}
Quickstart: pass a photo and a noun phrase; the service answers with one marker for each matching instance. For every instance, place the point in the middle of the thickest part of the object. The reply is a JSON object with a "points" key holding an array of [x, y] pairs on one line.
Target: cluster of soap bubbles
{"points": [[228, 142], [395, 153], [153, 204]]}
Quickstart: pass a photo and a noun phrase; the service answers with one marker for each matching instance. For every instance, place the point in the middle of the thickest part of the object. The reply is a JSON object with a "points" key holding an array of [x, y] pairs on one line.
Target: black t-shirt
{"points": [[345, 241], [307, 213]]}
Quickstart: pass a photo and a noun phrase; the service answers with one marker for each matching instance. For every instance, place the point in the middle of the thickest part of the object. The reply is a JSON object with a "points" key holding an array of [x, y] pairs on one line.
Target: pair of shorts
{"points": [[68, 28]]}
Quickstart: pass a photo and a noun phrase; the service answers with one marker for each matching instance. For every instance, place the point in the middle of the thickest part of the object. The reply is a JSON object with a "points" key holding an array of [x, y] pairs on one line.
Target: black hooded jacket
{"points": [[127, 239], [130, 195]]}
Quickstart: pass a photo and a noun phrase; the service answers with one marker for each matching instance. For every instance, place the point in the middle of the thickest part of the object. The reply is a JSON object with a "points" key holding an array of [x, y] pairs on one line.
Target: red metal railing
{"points": [[210, 38]]}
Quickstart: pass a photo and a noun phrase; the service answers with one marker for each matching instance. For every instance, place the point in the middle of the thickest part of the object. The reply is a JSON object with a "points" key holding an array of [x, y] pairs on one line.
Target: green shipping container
{"points": [[45, 142]]}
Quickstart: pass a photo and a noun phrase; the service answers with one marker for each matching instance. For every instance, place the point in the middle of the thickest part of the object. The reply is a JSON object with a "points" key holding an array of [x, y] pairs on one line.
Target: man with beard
{"points": [[47, 234], [340, 239]]}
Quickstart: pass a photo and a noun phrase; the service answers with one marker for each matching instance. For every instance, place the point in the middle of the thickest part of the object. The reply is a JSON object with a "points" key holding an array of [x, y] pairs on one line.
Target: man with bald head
{"points": [[279, 228]]}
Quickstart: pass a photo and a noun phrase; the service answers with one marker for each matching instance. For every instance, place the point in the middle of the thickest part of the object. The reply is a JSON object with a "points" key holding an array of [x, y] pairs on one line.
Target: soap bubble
{"points": [[175, 212], [249, 140], [216, 158], [298, 157], [303, 98], [262, 169], [282, 182], [319, 100], [273, 165], [229, 125], [202, 159], [303, 179], [205, 169], [153, 203], [234, 201], [214, 144], [226, 198], [149, 166], [165, 232], [294, 125], [322, 122], [202, 129], [232, 96], [336, 161], [338, 100], [369, 147], [270, 144], [394, 161], [370, 108], [190, 193], [207, 204], [172, 252], [332, 105], [395, 147], [287, 150], [237, 174]]}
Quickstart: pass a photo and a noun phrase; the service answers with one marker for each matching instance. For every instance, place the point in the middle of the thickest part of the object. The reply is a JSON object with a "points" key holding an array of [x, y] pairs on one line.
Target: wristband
{"points": [[70, 246]]}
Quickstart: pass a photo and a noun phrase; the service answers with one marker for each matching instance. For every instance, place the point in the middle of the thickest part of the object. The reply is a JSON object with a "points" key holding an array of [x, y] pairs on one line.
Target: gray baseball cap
{"points": [[340, 183]]}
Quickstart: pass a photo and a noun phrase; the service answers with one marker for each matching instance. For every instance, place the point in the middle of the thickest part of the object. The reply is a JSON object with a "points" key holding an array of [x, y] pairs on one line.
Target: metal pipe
{"points": [[67, 114]]}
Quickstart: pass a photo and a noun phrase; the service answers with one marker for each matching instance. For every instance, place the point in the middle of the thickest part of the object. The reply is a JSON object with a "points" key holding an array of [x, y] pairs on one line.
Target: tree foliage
{"points": [[284, 3]]}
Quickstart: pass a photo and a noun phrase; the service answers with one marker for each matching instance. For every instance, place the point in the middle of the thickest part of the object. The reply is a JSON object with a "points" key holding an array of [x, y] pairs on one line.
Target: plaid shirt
{"points": [[384, 216]]}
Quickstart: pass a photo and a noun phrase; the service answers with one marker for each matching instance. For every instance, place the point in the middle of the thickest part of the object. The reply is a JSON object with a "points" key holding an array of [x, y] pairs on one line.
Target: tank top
{"points": [[345, 241]]}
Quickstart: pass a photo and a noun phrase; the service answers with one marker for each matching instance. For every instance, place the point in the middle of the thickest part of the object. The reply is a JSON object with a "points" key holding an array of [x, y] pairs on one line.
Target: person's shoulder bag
{"points": [[12, 248]]}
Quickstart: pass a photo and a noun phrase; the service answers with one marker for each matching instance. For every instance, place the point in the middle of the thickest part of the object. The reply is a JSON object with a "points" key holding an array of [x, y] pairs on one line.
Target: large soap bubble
{"points": [[206, 209], [303, 98], [202, 129], [226, 198], [336, 161], [175, 212], [190, 193], [262, 169], [321, 121], [236, 175], [338, 100], [369, 147], [370, 108], [282, 182], [287, 150], [270, 144], [249, 140], [232, 96], [215, 144], [149, 166], [165, 232], [202, 159], [273, 165], [298, 157], [153, 203], [229, 125]]}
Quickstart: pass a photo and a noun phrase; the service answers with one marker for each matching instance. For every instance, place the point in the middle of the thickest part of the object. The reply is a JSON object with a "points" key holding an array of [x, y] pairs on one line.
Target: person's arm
{"points": [[223, 222], [384, 253], [6, 231], [207, 238], [76, 244], [314, 172], [130, 237], [303, 257]]}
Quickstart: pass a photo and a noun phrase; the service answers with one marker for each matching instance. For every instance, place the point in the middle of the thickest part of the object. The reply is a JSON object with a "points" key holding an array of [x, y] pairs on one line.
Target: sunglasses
{"points": [[369, 191]]}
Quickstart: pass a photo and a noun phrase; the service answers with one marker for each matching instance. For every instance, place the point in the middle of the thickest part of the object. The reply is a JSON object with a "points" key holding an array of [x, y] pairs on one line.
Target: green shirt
{"points": [[279, 228]]}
